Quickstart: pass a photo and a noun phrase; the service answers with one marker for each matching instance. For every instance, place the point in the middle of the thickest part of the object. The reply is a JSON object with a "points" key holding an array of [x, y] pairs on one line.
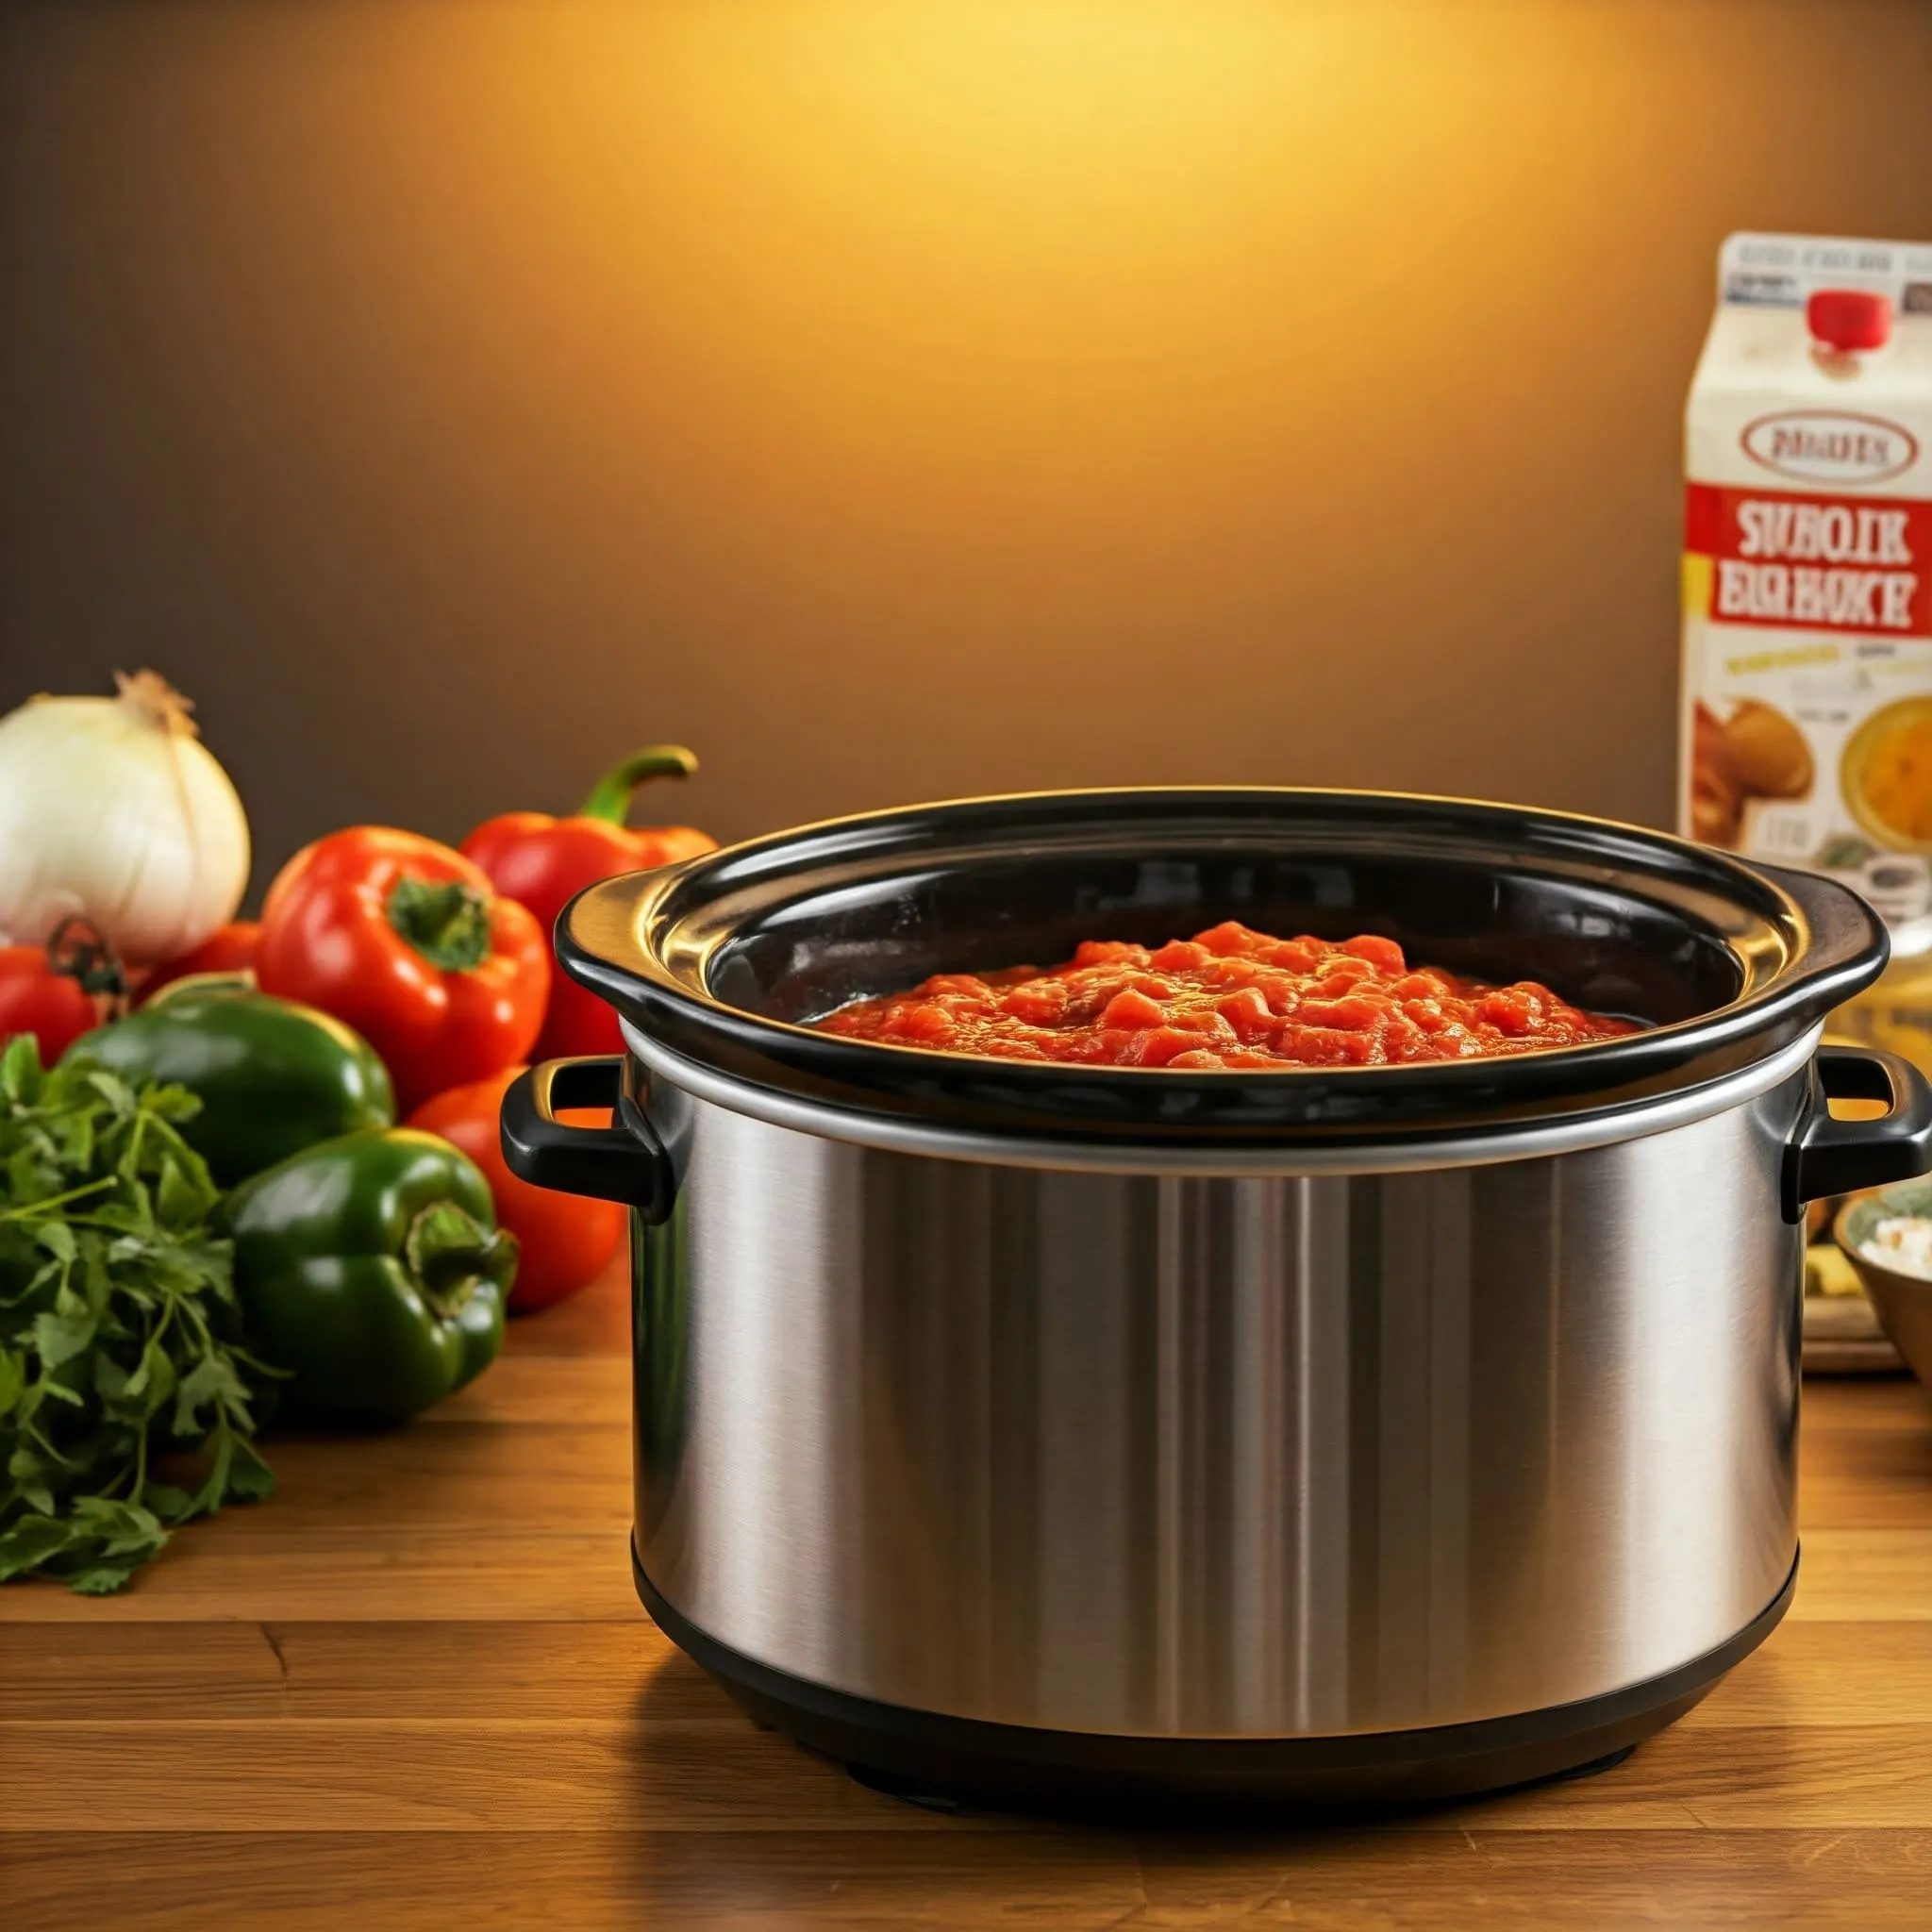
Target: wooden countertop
{"points": [[415, 1690]]}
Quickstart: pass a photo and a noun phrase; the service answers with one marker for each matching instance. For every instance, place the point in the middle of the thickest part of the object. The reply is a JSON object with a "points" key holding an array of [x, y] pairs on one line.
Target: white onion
{"points": [[114, 810]]}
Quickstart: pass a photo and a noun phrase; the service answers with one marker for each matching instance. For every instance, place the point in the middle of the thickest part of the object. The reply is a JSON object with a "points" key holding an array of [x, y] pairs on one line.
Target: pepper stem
{"points": [[610, 800], [444, 919], [449, 1252]]}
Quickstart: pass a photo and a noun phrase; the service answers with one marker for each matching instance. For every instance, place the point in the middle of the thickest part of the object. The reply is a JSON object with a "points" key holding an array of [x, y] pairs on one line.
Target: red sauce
{"points": [[1227, 997]]}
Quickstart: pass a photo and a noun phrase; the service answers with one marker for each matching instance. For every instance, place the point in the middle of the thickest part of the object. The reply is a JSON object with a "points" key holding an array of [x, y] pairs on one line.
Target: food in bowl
{"points": [[1901, 1242], [1229, 997]]}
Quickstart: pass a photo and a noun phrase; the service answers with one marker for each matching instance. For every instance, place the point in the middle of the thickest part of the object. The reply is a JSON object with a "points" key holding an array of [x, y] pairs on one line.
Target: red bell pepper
{"points": [[59, 990], [404, 940], [543, 862], [564, 1242], [228, 950]]}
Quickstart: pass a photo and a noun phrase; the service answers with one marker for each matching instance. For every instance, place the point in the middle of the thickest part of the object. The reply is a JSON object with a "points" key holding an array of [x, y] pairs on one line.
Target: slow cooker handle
{"points": [[1829, 1157], [625, 1162]]}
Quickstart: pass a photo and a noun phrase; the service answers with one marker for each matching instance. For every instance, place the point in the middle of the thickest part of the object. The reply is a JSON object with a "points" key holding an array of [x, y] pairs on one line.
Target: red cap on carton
{"points": [[1849, 318]]}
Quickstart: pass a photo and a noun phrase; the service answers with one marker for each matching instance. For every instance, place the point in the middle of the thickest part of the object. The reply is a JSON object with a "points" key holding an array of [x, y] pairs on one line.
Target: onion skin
{"points": [[112, 809]]}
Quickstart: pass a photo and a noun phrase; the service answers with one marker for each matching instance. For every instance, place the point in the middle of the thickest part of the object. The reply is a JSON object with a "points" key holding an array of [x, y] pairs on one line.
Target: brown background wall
{"points": [[891, 399]]}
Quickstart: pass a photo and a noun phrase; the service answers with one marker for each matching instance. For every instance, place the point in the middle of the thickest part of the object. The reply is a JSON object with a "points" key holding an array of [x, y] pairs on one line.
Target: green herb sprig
{"points": [[118, 1330]]}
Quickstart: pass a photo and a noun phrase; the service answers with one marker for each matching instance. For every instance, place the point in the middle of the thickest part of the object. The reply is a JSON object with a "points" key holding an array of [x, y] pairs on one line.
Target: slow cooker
{"points": [[1090, 1434]]}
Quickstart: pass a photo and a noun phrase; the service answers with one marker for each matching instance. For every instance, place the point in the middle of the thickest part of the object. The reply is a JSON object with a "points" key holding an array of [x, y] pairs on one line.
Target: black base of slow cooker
{"points": [[921, 1755]]}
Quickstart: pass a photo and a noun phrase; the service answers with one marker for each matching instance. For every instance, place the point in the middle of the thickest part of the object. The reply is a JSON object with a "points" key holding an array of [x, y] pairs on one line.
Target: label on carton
{"points": [[1807, 731]]}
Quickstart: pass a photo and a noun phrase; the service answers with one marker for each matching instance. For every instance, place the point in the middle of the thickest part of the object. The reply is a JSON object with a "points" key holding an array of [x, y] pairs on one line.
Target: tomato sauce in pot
{"points": [[1229, 997]]}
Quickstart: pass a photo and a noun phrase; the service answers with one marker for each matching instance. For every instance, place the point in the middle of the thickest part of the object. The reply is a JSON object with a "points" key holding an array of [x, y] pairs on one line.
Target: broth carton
{"points": [[1806, 727]]}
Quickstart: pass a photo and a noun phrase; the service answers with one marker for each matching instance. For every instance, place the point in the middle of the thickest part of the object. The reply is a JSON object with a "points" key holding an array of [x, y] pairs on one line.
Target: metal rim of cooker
{"points": [[656, 944], [1576, 1133]]}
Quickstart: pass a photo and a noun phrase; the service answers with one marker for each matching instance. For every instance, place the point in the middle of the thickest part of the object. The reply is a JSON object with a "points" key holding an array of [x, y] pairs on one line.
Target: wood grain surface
{"points": [[415, 1690]]}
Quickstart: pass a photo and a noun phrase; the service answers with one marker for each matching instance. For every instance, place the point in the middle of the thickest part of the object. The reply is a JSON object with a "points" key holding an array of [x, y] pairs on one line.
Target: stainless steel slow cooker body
{"points": [[1385, 1433]]}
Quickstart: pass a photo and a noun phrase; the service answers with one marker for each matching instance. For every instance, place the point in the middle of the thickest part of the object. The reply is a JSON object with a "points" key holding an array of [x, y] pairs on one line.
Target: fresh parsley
{"points": [[119, 1347]]}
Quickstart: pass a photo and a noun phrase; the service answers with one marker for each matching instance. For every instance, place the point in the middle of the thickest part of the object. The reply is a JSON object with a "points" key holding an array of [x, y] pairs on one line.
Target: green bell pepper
{"points": [[272, 1076], [372, 1270]]}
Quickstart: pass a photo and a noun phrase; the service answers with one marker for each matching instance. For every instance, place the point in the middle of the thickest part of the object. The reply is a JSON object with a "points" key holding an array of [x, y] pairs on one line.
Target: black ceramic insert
{"points": [[724, 959]]}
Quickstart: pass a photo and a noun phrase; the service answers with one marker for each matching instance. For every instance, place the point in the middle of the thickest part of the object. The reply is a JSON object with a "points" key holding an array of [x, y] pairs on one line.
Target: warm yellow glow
{"points": [[1268, 392], [1025, 290]]}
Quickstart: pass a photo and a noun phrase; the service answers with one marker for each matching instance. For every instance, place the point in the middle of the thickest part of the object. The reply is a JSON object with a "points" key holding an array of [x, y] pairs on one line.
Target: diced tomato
{"points": [[1385, 955], [1338, 972], [1513, 1009], [1039, 1002], [1420, 986], [1231, 937], [1247, 1013], [1283, 992], [1235, 968], [1162, 1045], [1292, 956], [1203, 1020], [1108, 952], [1402, 1039], [1329, 1046], [1133, 1010], [1180, 956], [1354, 1012], [924, 1023]]}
